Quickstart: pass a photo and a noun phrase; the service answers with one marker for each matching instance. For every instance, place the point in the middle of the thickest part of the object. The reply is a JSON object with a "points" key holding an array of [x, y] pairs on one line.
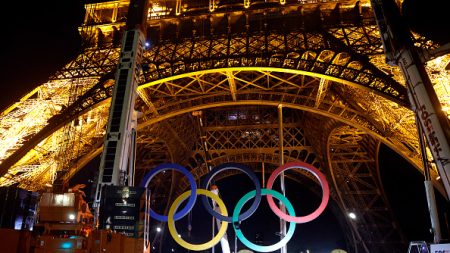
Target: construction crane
{"points": [[117, 160], [432, 123], [116, 173], [400, 51]]}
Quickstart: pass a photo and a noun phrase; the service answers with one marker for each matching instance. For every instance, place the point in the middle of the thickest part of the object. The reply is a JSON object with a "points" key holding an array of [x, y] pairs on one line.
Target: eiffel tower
{"points": [[245, 68]]}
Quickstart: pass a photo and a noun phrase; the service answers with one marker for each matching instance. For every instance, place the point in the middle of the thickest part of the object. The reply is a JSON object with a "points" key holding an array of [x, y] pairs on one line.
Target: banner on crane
{"points": [[440, 248]]}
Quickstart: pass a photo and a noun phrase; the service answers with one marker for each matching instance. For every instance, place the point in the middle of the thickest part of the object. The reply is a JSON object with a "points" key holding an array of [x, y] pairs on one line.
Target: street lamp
{"points": [[352, 215]]}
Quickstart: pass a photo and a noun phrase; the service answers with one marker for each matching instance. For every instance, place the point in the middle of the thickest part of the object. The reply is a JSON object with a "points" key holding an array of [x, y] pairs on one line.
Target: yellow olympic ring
{"points": [[173, 229]]}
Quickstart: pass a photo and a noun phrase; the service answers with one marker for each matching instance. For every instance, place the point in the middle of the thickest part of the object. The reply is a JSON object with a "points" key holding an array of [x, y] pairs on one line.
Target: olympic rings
{"points": [[148, 177], [317, 174], [256, 247], [173, 229], [236, 166], [236, 217]]}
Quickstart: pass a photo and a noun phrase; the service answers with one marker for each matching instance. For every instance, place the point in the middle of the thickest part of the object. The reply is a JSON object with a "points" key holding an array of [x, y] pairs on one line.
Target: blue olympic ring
{"points": [[167, 166]]}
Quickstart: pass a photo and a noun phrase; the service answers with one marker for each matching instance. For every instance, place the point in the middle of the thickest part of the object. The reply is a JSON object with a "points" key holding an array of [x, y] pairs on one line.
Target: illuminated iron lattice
{"points": [[235, 62]]}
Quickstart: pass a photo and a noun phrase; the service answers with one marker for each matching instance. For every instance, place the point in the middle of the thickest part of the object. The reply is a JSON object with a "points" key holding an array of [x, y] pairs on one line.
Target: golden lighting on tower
{"points": [[247, 3], [441, 80], [212, 5], [178, 7], [79, 138]]}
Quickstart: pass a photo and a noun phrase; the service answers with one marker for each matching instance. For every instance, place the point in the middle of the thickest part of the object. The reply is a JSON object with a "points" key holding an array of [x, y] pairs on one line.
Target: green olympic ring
{"points": [[241, 236]]}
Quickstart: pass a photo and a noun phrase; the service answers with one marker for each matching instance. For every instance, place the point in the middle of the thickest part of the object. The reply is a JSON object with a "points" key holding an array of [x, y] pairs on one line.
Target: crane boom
{"points": [[116, 165]]}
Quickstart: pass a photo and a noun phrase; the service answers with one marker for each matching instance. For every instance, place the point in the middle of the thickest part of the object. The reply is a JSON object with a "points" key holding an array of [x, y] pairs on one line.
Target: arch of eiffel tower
{"points": [[234, 64]]}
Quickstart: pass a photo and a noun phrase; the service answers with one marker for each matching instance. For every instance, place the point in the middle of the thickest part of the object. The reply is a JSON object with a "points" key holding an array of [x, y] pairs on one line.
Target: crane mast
{"points": [[400, 51], [117, 160], [432, 123]]}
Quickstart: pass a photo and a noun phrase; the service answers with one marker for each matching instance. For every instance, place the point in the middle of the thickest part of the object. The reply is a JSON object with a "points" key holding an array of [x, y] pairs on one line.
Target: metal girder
{"points": [[249, 133], [336, 109], [232, 83], [352, 163], [98, 61], [267, 63], [307, 53], [168, 133], [89, 100], [272, 96], [84, 138], [93, 62], [178, 137], [395, 134]]}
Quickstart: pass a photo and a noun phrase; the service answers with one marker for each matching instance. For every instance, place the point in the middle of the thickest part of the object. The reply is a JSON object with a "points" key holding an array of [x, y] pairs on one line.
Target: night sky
{"points": [[43, 36], [40, 38]]}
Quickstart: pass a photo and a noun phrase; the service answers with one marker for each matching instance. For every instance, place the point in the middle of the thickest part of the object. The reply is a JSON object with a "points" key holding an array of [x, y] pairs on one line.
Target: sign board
{"points": [[121, 208], [440, 248]]}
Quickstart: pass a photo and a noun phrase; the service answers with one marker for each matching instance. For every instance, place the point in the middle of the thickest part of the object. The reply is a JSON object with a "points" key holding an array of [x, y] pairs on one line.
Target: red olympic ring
{"points": [[323, 182]]}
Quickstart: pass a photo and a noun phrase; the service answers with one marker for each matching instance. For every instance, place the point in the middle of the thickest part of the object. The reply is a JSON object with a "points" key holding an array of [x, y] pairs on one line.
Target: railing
{"points": [[418, 247]]}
